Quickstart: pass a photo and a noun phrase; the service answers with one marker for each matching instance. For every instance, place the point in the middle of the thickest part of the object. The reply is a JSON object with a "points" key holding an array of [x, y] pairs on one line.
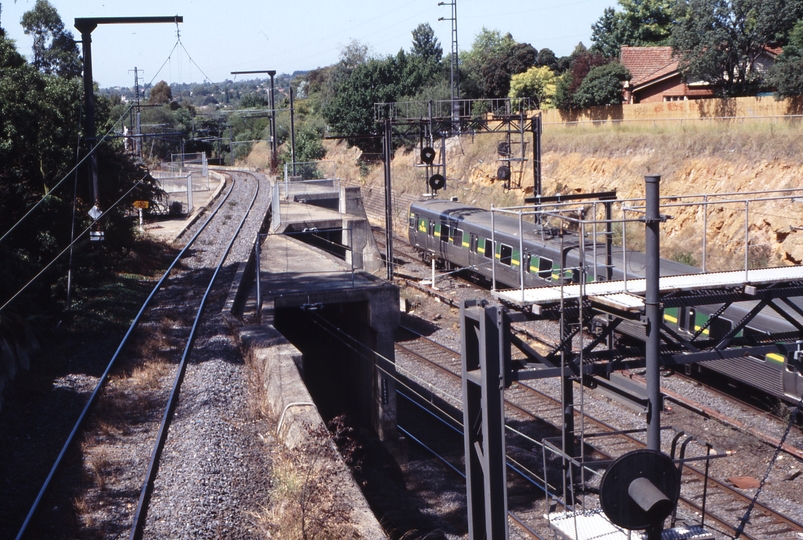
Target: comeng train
{"points": [[520, 253]]}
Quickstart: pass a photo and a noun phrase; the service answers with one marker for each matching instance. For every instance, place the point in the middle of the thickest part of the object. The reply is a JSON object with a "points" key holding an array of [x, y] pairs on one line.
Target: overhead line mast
{"points": [[454, 73], [86, 25]]}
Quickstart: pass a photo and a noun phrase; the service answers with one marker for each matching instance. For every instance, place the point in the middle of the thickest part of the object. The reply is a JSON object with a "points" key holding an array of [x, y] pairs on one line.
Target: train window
{"points": [[413, 220], [544, 268], [457, 237], [505, 254], [444, 233], [487, 248], [432, 228], [474, 242]]}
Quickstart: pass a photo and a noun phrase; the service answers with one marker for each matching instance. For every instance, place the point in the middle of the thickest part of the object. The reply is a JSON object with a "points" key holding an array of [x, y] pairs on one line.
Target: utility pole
{"points": [[137, 124]]}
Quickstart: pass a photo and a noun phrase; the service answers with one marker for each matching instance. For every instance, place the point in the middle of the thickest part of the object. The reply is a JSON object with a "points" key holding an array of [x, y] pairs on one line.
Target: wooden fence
{"points": [[671, 111]]}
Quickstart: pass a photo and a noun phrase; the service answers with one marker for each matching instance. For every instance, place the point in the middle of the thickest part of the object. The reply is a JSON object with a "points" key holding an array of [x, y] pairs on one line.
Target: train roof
{"points": [[480, 217]]}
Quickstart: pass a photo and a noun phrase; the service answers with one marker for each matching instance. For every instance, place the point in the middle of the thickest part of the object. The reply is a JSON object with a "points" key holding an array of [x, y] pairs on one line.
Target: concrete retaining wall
{"points": [[298, 420]]}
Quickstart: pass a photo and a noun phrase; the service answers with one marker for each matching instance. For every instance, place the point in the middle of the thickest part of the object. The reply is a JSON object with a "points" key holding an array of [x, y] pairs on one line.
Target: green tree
{"points": [[537, 83], [640, 23], [425, 45], [309, 150], [582, 62], [787, 73], [546, 58], [40, 119], [493, 59], [54, 49], [602, 86], [719, 41], [351, 112], [254, 100]]}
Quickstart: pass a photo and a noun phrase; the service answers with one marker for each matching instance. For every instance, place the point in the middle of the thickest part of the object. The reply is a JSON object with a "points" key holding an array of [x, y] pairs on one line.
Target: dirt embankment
{"points": [[707, 160]]}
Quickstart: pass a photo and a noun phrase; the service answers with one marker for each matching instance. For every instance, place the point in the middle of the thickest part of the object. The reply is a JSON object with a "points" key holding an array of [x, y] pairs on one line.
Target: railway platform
{"points": [[169, 229], [312, 276]]}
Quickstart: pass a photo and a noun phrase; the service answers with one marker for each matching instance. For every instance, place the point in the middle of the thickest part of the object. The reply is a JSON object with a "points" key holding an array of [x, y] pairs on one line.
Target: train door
{"points": [[417, 227], [793, 376], [474, 241], [445, 237]]}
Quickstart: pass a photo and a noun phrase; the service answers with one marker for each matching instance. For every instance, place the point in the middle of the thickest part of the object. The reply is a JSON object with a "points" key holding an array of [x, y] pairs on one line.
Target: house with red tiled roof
{"points": [[655, 76]]}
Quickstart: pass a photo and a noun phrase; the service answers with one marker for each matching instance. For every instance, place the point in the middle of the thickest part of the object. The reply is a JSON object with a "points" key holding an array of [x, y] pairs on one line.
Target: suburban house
{"points": [[655, 75]]}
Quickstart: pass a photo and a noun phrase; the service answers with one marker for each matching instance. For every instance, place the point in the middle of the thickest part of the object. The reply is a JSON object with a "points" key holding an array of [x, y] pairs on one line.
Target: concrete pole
{"points": [[653, 310]]}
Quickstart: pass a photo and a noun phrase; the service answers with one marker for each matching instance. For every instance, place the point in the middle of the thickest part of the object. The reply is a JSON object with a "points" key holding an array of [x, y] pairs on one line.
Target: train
{"points": [[513, 253]]}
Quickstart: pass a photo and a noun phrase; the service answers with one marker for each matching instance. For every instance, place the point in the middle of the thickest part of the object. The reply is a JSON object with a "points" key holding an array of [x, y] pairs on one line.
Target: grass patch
{"points": [[304, 503]]}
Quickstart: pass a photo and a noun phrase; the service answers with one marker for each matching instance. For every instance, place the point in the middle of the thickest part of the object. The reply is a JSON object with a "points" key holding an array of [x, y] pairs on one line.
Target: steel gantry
{"points": [[494, 358], [426, 121]]}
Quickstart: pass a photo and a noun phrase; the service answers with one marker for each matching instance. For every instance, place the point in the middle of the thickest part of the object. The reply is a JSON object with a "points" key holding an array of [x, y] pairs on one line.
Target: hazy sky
{"points": [[218, 37]]}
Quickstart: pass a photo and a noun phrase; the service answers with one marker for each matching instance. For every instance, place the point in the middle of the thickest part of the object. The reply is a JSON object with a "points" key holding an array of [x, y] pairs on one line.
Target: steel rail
{"points": [[140, 514], [104, 377]]}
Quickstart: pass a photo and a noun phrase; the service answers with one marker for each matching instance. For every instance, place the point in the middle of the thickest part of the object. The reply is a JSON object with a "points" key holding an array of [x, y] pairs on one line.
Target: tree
{"points": [[787, 73], [160, 94], [309, 150], [582, 62], [253, 100], [425, 45], [490, 63], [39, 128], [537, 83], [351, 112], [641, 23], [606, 34], [719, 41], [54, 49], [546, 58], [602, 86]]}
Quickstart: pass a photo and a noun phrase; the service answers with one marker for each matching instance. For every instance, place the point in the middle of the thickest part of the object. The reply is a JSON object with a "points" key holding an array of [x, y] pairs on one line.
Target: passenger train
{"points": [[497, 247]]}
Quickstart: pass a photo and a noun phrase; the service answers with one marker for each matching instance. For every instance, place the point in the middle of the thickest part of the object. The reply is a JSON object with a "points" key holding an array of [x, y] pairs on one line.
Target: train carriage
{"points": [[516, 253]]}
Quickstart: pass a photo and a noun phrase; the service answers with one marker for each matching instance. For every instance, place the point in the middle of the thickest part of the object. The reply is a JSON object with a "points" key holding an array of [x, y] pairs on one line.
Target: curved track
{"points": [[144, 377]]}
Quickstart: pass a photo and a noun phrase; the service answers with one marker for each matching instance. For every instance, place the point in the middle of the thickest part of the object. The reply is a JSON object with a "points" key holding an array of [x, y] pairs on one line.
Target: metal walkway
{"points": [[625, 295]]}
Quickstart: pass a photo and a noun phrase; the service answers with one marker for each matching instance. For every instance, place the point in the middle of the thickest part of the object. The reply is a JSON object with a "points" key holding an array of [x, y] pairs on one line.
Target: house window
{"points": [[674, 98]]}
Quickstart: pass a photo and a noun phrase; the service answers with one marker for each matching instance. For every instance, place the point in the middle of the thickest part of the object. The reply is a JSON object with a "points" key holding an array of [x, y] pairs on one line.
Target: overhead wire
{"points": [[170, 55]]}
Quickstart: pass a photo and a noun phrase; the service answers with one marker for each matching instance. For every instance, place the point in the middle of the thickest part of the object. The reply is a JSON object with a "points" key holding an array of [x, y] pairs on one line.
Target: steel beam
{"points": [[485, 332]]}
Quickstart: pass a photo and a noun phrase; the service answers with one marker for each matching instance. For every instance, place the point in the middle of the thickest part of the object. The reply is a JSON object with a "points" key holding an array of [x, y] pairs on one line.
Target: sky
{"points": [[218, 37]]}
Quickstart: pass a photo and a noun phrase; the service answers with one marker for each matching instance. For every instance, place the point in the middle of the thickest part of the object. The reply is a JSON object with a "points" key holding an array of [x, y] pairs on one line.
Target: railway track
{"points": [[108, 467], [725, 506]]}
